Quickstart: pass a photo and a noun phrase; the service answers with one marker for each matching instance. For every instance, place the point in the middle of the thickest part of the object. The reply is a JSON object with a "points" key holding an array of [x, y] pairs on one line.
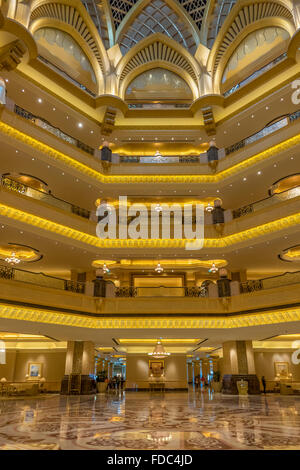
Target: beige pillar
{"points": [[238, 363], [190, 372], [80, 365]]}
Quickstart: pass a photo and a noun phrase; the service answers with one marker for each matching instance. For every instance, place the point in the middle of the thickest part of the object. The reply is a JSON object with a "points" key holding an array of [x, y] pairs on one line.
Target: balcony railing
{"points": [[267, 202], [162, 159], [40, 122], [67, 76], [277, 124], [272, 282], [161, 291], [209, 291], [41, 279], [12, 185], [255, 75]]}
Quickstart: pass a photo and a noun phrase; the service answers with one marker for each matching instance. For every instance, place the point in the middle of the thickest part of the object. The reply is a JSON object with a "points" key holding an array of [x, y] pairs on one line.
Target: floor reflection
{"points": [[194, 420]]}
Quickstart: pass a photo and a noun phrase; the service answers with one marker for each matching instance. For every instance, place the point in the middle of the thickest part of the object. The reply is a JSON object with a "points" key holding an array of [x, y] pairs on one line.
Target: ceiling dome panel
{"points": [[157, 17]]}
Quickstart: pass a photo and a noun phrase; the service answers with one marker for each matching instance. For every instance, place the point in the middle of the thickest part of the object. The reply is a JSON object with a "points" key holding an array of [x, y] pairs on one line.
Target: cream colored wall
{"points": [[16, 366], [264, 364], [137, 372], [7, 370]]}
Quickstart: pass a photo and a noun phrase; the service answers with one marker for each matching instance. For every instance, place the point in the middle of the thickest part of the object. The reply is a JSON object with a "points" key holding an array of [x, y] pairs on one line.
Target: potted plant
{"points": [[216, 381], [100, 380]]}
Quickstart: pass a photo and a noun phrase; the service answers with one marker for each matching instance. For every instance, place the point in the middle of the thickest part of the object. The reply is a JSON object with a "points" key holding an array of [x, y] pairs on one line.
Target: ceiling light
{"points": [[209, 207], [252, 116], [23, 91], [6, 80], [239, 124], [80, 125], [54, 109], [159, 269], [259, 172], [159, 351], [12, 259], [92, 132], [105, 269], [213, 269], [158, 207], [244, 179], [40, 100]]}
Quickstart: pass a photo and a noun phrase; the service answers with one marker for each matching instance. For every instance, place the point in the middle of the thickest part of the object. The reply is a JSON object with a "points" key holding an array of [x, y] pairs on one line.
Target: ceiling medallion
{"points": [[291, 254], [159, 351], [159, 269], [14, 254]]}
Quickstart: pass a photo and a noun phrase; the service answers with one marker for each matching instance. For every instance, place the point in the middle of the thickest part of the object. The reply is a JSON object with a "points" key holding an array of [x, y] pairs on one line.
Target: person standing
{"points": [[263, 381]]}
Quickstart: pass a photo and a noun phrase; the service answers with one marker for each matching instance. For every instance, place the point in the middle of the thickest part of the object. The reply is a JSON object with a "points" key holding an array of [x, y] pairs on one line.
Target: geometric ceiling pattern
{"points": [[158, 17]]}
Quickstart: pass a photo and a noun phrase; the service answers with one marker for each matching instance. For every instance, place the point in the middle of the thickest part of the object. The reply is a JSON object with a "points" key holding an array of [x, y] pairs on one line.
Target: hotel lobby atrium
{"points": [[149, 224]]}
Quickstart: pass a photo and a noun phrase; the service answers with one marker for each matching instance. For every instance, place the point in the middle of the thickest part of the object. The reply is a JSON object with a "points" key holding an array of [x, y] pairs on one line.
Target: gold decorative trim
{"points": [[12, 312], [110, 179], [222, 242]]}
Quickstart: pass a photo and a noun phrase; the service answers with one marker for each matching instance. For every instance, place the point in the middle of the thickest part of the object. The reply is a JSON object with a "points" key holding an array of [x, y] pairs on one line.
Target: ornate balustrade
{"points": [[255, 75], [267, 202], [40, 122], [41, 279], [13, 185]]}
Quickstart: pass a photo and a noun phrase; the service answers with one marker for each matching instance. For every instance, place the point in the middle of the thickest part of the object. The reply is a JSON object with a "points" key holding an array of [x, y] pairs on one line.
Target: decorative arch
{"points": [[245, 14], [164, 16], [265, 23], [56, 24], [61, 48], [158, 51], [76, 18], [154, 65]]}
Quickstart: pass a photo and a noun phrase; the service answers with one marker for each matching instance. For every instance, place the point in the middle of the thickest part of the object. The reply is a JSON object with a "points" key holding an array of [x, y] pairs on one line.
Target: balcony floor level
{"points": [[140, 420]]}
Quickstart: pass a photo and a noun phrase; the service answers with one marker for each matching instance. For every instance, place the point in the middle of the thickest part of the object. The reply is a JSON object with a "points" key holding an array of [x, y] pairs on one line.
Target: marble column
{"points": [[190, 372], [238, 363], [79, 369]]}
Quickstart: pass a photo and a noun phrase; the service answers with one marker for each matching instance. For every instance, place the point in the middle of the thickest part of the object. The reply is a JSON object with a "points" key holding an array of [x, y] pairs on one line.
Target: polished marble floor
{"points": [[130, 420]]}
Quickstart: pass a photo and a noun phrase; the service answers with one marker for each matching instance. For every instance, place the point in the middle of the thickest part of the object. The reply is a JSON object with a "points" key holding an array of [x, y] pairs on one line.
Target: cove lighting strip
{"points": [[12, 312], [222, 242]]}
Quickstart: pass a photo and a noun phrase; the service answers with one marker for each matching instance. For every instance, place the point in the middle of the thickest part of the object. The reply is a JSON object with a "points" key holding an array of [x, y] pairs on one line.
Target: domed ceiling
{"points": [[126, 22]]}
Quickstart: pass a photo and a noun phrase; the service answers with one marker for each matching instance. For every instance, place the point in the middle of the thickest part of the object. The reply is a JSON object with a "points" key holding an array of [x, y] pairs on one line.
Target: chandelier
{"points": [[159, 351], [105, 269], [159, 269], [12, 259], [209, 207], [213, 269]]}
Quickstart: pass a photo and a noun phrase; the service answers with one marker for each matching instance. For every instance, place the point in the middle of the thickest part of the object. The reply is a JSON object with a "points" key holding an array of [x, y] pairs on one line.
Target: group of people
{"points": [[115, 383], [201, 381]]}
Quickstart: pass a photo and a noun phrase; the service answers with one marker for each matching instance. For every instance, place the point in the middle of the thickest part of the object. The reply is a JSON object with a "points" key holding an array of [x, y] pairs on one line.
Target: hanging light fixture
{"points": [[12, 259], [213, 269], [209, 207], [158, 207], [159, 351], [159, 269], [105, 269]]}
